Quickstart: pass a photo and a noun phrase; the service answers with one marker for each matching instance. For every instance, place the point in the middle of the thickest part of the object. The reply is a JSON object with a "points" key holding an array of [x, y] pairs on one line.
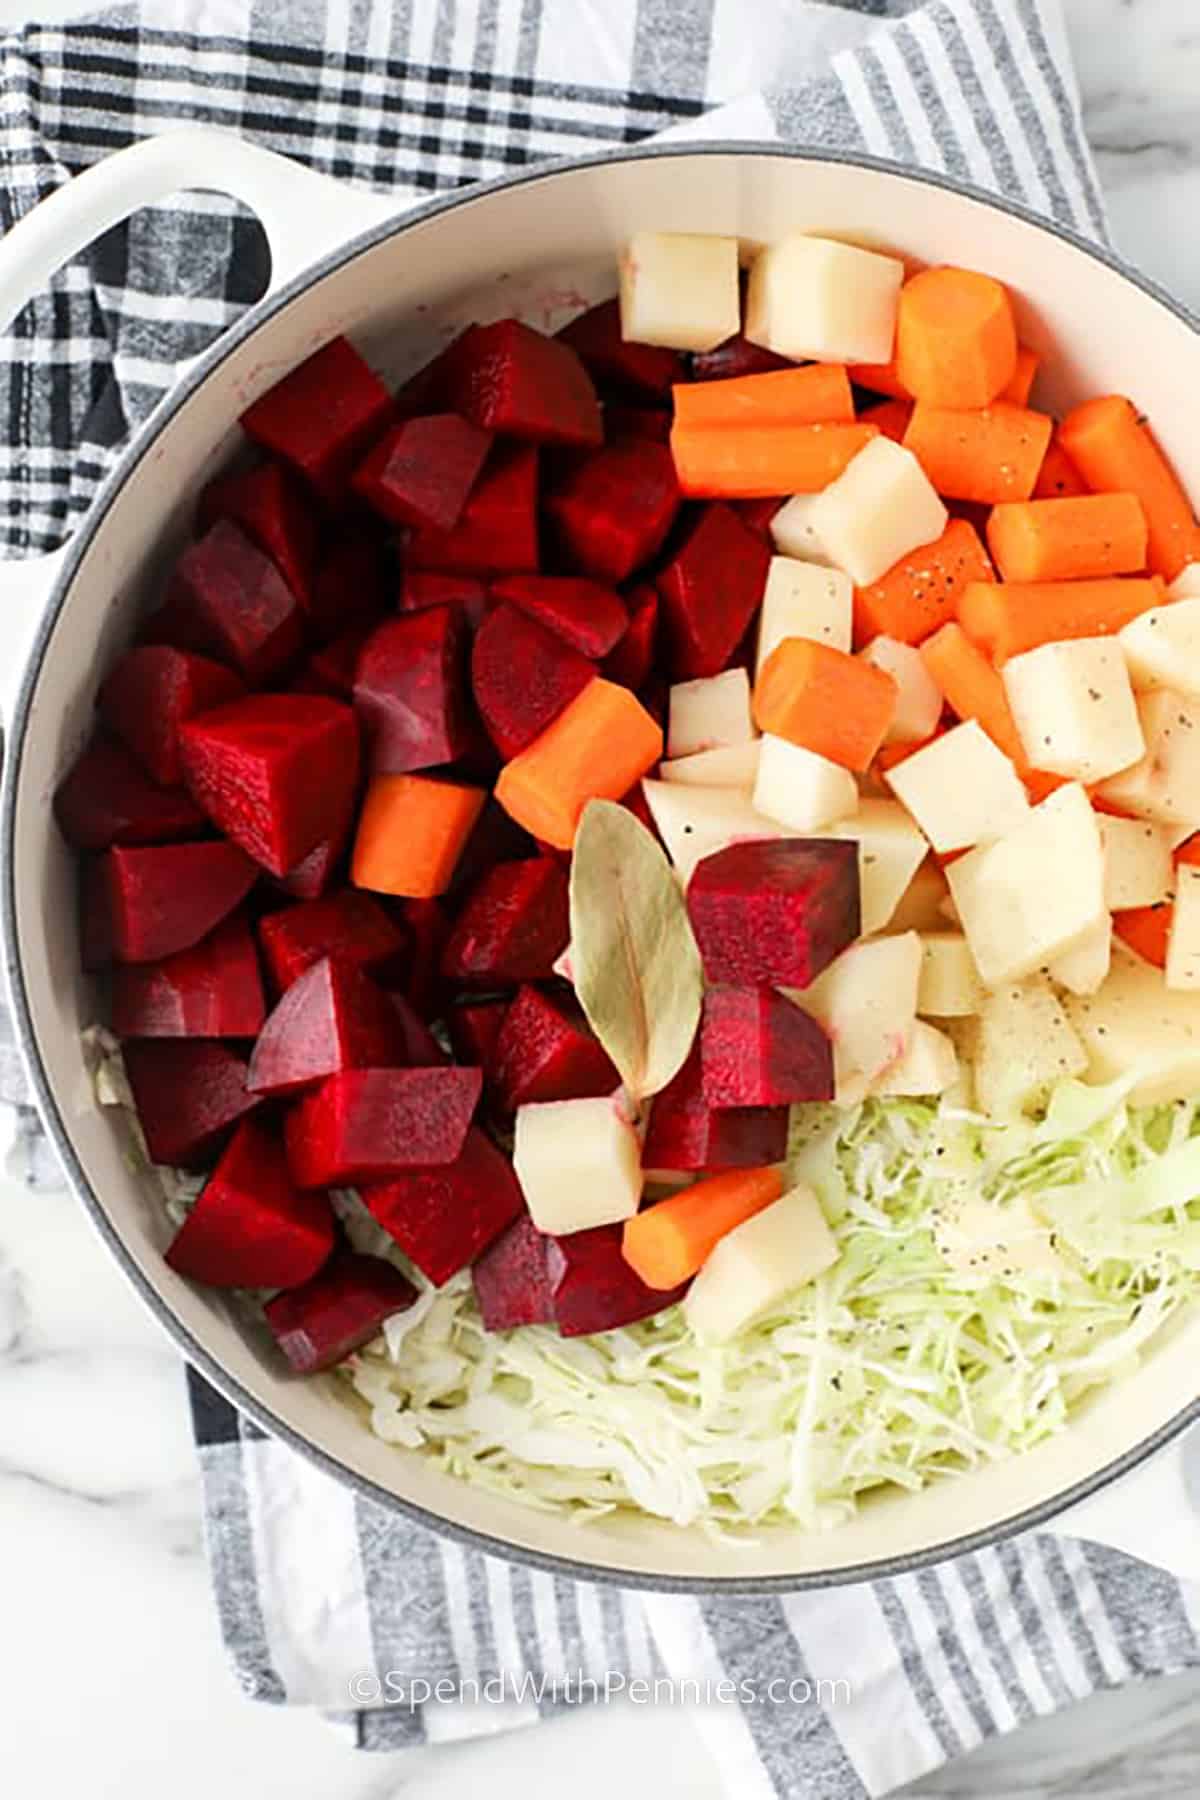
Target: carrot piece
{"points": [[596, 749], [754, 463], [669, 1242], [891, 419], [819, 392], [1018, 390], [825, 701], [411, 831], [972, 688], [922, 590], [1068, 540], [1058, 478], [1008, 617], [879, 378], [888, 755], [1146, 930], [1189, 852], [990, 455], [1115, 452], [956, 339]]}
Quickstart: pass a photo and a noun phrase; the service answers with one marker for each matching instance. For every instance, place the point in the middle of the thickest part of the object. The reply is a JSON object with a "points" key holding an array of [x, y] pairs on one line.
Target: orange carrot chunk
{"points": [[595, 750], [891, 419], [1115, 452], [1146, 929], [669, 1242], [1189, 852], [1058, 478], [971, 687], [921, 592], [819, 392], [879, 378], [956, 340], [411, 832], [1068, 540], [987, 456], [1007, 617], [753, 463], [825, 701]]}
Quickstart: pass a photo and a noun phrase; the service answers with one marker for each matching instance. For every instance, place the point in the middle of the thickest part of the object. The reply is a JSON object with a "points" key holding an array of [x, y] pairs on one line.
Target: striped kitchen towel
{"points": [[326, 1600]]}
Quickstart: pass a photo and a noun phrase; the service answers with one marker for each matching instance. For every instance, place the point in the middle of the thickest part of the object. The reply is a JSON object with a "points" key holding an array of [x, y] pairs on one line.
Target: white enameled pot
{"points": [[541, 244]]}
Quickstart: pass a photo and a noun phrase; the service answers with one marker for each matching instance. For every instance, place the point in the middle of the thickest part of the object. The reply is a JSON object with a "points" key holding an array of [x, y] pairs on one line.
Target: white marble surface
{"points": [[112, 1680]]}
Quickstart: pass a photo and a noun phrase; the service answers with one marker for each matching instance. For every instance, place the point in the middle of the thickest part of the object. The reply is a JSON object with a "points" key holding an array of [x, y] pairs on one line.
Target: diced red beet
{"points": [[736, 356], [511, 1280], [349, 925], [523, 676], [227, 599], [512, 927], [162, 898], [335, 665], [632, 659], [443, 1217], [594, 1289], [498, 528], [332, 1018], [635, 802], [251, 1226], [546, 1050], [636, 422], [349, 586], [775, 912], [95, 916], [474, 1027], [758, 1049], [189, 1093], [409, 691], [757, 514], [368, 1124], [420, 588], [644, 370], [272, 508], [276, 773], [589, 617], [107, 798], [428, 929], [213, 990], [322, 867], [418, 1048], [421, 472], [338, 1311], [495, 838], [322, 417], [613, 511], [710, 590], [686, 1133], [509, 378], [149, 693]]}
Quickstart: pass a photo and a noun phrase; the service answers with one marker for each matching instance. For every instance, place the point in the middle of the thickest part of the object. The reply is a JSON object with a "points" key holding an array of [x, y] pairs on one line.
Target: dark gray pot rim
{"points": [[56, 1125]]}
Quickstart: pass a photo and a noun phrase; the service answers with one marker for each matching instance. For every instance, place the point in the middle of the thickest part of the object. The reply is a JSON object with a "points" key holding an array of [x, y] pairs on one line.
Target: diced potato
{"points": [[1074, 708], [1083, 969], [800, 788], [806, 601], [1186, 585], [695, 822], [950, 987], [961, 789], [1165, 784], [734, 767], [812, 297], [1162, 646], [867, 1001], [882, 506], [710, 714], [1026, 1043], [794, 534], [978, 1237], [579, 1164], [919, 698], [1138, 868], [1034, 893], [758, 1263], [919, 907], [890, 851], [928, 1066], [1137, 1024], [1183, 942], [679, 289]]}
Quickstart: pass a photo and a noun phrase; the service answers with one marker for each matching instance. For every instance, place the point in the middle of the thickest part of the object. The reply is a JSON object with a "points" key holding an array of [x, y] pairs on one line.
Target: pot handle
{"points": [[1152, 1513]]}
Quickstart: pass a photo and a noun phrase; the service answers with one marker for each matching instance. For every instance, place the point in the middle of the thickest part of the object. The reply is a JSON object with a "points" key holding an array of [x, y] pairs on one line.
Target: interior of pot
{"points": [[544, 247]]}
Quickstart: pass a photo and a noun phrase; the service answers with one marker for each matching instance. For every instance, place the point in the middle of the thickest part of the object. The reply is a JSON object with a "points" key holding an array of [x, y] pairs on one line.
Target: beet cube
{"points": [[349, 925], [757, 1049], [368, 1124], [710, 590], [332, 1018], [322, 417], [498, 526], [644, 370], [685, 1132], [417, 1048], [107, 798], [495, 838], [593, 1288], [420, 588], [95, 916], [338, 1311], [589, 617], [546, 1051], [523, 676], [513, 926], [409, 691], [636, 422], [423, 470], [151, 691], [511, 1280], [757, 514], [613, 510], [213, 990], [428, 928], [227, 599], [333, 668], [443, 1217], [189, 1093], [272, 508], [349, 586], [736, 356], [165, 897], [777, 912], [251, 1226], [321, 867], [474, 1028], [509, 378], [632, 658], [276, 773]]}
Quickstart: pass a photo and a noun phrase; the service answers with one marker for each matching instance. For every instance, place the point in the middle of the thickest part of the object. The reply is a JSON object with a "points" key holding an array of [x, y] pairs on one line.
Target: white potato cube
{"points": [[579, 1164], [1186, 585], [679, 289], [758, 1263], [794, 534], [1074, 708], [979, 1237], [1034, 893], [815, 297], [800, 788], [1183, 941], [890, 851], [867, 1001], [1026, 1043], [1083, 969], [919, 698], [805, 601], [1138, 867], [928, 1066], [1136, 1023], [734, 767], [1165, 784], [919, 907], [961, 789], [880, 507], [710, 714], [1162, 646], [695, 822], [950, 987]]}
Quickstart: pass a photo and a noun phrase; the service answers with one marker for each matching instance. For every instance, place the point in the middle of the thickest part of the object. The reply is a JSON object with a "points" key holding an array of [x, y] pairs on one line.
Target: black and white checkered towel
{"points": [[318, 1590]]}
